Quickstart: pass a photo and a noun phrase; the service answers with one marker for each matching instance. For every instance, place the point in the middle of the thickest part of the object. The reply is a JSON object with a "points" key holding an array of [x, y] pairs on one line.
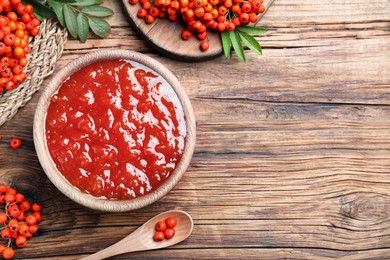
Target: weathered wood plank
{"points": [[292, 151]]}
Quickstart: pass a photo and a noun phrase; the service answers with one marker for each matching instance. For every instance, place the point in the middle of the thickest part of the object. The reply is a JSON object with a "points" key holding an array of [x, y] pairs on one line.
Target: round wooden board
{"points": [[165, 36]]}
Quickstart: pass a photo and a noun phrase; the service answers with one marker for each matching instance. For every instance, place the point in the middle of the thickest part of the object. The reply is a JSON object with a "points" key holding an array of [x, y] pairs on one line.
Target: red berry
{"points": [[21, 241], [230, 27], [13, 225], [3, 218], [15, 143], [154, 11], [19, 197], [3, 189], [142, 13], [171, 222], [33, 229], [253, 17], [186, 35], [6, 234], [31, 220], [149, 19], [169, 233], [38, 216], [160, 226], [244, 18], [36, 207], [8, 253], [159, 236], [25, 206], [10, 198], [202, 36], [24, 229]]}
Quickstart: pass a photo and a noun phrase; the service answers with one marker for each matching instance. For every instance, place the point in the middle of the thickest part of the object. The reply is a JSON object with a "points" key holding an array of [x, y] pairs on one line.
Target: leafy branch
{"points": [[239, 36], [77, 16]]}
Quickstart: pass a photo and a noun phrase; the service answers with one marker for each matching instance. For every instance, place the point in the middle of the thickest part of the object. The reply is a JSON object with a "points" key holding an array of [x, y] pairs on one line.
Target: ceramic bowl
{"points": [[62, 183]]}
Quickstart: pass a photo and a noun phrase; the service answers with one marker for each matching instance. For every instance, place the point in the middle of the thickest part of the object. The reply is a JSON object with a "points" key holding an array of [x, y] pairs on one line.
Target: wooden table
{"points": [[292, 156]]}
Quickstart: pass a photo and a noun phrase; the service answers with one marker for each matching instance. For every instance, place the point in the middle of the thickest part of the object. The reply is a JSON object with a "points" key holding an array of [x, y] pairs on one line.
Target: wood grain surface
{"points": [[292, 152]]}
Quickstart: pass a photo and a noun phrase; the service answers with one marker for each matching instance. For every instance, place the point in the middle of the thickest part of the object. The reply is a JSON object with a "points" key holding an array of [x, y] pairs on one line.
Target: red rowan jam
{"points": [[115, 129]]}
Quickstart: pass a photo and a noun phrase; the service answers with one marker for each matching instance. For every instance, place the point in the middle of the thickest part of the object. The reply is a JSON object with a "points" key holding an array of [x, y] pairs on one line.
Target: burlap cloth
{"points": [[46, 49]]}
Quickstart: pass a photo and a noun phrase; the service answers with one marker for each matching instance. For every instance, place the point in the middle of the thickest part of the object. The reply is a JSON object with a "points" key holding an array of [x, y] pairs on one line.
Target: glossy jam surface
{"points": [[115, 129]]}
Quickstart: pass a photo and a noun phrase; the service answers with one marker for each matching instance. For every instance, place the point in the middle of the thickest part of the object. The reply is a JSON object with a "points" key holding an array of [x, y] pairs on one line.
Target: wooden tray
{"points": [[165, 36]]}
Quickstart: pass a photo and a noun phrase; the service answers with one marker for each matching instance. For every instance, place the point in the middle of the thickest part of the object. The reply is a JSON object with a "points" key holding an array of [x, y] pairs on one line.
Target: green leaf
{"points": [[237, 46], [251, 42], [87, 2], [251, 29], [70, 20], [98, 11], [58, 10], [40, 18], [99, 27], [82, 27], [40, 10], [226, 43]]}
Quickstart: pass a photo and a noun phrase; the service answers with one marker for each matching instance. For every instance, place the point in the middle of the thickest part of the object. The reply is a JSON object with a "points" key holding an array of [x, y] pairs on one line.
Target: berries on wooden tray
{"points": [[217, 15]]}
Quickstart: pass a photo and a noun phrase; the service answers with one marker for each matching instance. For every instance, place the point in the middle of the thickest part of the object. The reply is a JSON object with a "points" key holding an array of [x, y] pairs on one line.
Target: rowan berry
{"points": [[246, 7], [244, 18], [230, 26], [31, 220], [6, 233], [202, 36], [3, 218], [13, 225], [169, 233], [221, 27], [15, 143], [21, 216], [149, 19], [236, 21], [13, 210], [9, 39], [33, 229], [142, 13], [160, 226], [38, 216], [21, 241], [186, 35], [36, 207], [159, 236], [8, 253], [171, 222], [154, 11], [253, 17], [10, 198]]}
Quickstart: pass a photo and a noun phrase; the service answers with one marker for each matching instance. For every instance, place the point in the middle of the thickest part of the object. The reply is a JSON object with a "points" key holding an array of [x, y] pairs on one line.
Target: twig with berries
{"points": [[19, 220]]}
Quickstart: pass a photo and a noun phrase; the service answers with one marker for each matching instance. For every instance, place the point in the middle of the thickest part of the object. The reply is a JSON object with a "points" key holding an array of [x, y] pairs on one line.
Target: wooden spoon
{"points": [[142, 238]]}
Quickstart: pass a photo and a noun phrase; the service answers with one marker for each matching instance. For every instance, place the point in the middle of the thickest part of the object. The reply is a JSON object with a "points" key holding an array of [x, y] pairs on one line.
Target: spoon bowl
{"points": [[142, 238]]}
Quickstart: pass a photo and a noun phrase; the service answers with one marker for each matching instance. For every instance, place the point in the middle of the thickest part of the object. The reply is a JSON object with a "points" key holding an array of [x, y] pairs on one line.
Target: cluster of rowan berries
{"points": [[220, 15], [18, 222], [17, 23]]}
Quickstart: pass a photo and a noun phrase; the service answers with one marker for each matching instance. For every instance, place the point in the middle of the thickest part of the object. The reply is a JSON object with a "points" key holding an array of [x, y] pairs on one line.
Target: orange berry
{"points": [[19, 52]]}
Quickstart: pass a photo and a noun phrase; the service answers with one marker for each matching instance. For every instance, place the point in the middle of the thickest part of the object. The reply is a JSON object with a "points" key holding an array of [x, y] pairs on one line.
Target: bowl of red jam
{"points": [[114, 130]]}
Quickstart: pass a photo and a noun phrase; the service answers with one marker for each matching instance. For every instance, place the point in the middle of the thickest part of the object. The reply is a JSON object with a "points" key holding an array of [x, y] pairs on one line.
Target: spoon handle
{"points": [[131, 243]]}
